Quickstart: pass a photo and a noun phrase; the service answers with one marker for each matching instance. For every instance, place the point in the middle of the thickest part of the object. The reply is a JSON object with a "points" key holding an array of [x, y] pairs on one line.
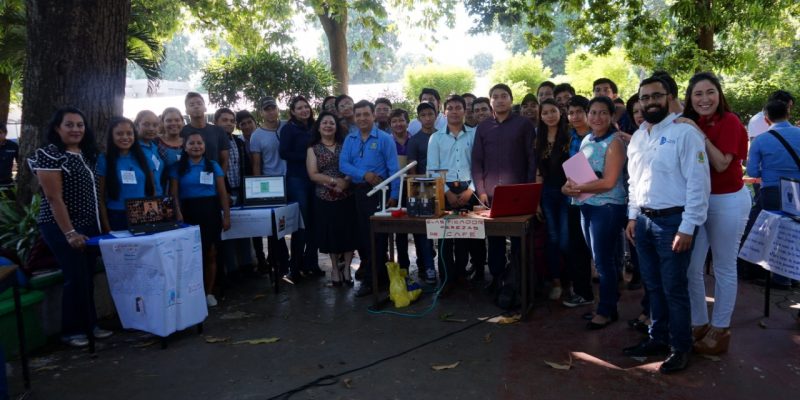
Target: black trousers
{"points": [[579, 259], [457, 252], [365, 208]]}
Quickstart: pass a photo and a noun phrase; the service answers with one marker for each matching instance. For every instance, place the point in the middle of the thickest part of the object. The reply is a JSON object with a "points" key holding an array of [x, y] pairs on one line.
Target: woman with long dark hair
{"points": [[334, 206], [294, 139], [69, 215], [198, 185], [603, 214], [124, 172], [728, 208], [552, 149]]}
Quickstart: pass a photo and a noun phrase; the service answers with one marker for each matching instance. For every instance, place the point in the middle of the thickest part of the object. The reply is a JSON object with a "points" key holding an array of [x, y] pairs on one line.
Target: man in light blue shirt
{"points": [[451, 149], [368, 157]]}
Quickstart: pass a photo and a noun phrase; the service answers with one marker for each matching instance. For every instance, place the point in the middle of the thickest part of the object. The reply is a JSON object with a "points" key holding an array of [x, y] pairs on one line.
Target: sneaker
{"points": [[75, 340], [430, 277], [555, 293], [211, 301], [576, 301], [364, 290], [100, 333]]}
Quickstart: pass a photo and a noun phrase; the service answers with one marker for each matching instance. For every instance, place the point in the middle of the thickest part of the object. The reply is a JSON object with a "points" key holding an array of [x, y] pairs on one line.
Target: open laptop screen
{"points": [[790, 196], [264, 190], [150, 210]]}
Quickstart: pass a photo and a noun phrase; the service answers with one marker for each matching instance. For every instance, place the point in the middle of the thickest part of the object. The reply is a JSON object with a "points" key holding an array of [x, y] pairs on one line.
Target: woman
{"points": [[198, 185], [69, 215], [124, 172], [295, 137], [603, 214], [329, 104], [334, 207], [148, 125], [728, 209], [552, 149], [170, 142]]}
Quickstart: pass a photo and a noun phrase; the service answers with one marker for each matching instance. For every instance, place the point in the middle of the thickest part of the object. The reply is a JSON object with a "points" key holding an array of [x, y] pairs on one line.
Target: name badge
{"points": [[178, 157], [128, 177], [156, 162], [206, 178]]}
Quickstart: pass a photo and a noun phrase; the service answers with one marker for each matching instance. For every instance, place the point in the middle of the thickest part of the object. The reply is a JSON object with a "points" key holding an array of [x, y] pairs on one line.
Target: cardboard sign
{"points": [[774, 244], [455, 228]]}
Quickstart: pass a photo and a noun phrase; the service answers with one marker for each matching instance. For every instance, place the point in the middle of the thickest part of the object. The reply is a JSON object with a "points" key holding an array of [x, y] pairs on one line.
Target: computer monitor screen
{"points": [[150, 210], [264, 187]]}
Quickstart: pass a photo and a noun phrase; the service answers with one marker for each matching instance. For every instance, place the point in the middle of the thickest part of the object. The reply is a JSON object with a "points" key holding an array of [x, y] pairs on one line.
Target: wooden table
{"points": [[518, 226]]}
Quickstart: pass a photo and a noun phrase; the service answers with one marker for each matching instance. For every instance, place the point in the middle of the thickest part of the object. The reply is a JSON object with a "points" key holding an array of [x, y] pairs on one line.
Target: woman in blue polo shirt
{"points": [[148, 124], [198, 185], [124, 172]]}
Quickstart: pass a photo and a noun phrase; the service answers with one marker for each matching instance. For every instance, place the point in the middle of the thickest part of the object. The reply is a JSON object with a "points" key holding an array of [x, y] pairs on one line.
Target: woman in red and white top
{"points": [[728, 209]]}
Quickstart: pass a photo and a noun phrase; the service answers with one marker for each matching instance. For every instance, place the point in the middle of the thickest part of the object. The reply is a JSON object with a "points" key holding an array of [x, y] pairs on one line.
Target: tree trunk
{"points": [[76, 57], [5, 97], [335, 27], [705, 33]]}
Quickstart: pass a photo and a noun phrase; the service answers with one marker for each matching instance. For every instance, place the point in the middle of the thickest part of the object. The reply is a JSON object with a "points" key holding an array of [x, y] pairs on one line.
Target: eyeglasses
{"points": [[655, 97]]}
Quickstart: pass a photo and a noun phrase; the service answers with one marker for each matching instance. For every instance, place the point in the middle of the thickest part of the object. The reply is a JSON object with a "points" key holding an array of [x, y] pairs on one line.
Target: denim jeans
{"points": [[601, 228], [497, 254], [554, 207], [401, 245], [78, 314], [304, 249], [664, 273], [579, 259]]}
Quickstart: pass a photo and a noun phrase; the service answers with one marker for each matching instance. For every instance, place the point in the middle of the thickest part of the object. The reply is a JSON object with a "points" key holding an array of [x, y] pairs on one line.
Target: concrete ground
{"points": [[328, 332]]}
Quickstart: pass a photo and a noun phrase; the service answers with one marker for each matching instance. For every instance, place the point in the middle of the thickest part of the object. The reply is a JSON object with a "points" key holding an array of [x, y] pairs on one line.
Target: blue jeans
{"points": [[497, 254], [601, 229], [664, 274], [304, 249], [78, 314], [554, 208]]}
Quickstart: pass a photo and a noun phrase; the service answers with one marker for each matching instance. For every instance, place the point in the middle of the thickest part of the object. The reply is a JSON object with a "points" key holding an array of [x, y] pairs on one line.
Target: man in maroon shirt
{"points": [[502, 155]]}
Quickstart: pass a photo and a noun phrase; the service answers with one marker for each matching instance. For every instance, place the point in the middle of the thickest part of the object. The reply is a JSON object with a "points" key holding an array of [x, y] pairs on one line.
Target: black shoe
{"points": [[491, 288], [677, 361], [646, 348], [360, 274], [594, 326], [633, 285], [364, 290], [639, 326]]}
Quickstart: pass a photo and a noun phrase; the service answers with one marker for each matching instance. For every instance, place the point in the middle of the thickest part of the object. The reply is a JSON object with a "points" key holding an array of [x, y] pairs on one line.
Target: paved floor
{"points": [[326, 331]]}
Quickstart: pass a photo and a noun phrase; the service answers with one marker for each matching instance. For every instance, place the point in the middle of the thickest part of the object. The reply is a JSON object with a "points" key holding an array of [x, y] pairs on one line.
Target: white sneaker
{"points": [[211, 301], [75, 340], [101, 333]]}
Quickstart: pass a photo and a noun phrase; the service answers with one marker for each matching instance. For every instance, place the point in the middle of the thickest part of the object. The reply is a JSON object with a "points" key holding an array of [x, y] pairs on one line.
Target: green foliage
{"points": [[444, 78], [265, 73], [482, 62], [522, 72], [583, 68], [553, 55], [180, 61], [18, 227]]}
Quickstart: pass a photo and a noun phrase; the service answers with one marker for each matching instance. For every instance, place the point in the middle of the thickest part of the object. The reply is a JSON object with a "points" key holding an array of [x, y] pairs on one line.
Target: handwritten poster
{"points": [[774, 244], [455, 228], [156, 280]]}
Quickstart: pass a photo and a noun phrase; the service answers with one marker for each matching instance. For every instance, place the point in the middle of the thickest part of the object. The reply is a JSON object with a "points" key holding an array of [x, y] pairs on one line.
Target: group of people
{"points": [[669, 180]]}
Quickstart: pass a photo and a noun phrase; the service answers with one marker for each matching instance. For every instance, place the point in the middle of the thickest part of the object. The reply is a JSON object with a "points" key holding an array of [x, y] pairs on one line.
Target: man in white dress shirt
{"points": [[669, 190]]}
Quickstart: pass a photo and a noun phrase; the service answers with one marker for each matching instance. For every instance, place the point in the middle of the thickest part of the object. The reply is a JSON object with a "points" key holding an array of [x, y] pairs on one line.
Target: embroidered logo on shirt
{"points": [[665, 140], [373, 145], [701, 157]]}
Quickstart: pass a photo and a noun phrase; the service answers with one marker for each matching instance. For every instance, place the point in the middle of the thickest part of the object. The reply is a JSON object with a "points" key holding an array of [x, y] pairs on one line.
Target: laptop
{"points": [[790, 197], [512, 200], [264, 191], [151, 215]]}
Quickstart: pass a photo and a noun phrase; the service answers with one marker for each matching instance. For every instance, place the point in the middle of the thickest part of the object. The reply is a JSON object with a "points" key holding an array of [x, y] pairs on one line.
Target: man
{"points": [[247, 124], [579, 259], [451, 149], [9, 151], [675, 106], [770, 160], [469, 119], [417, 150], [669, 191], [605, 87], [502, 154], [265, 160], [529, 108], [758, 123], [368, 157], [216, 140], [545, 91], [482, 109], [562, 93], [431, 96], [383, 107]]}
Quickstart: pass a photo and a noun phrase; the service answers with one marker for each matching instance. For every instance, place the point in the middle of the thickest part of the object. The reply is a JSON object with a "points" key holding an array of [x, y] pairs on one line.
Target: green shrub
{"points": [[522, 72], [444, 78], [583, 68]]}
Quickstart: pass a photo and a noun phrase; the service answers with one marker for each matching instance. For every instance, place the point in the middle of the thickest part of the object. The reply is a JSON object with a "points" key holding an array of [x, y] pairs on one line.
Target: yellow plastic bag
{"points": [[402, 290]]}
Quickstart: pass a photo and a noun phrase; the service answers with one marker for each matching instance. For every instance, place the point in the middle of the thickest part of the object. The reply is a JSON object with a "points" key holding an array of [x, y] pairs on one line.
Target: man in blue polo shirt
{"points": [[368, 157]]}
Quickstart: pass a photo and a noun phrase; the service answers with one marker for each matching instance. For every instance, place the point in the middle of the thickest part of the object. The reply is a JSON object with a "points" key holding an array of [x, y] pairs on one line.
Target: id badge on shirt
{"points": [[206, 178], [128, 177], [156, 162]]}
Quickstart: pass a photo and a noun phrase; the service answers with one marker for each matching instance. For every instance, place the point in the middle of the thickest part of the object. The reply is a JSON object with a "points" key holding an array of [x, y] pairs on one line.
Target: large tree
{"points": [[75, 56], [12, 51], [678, 35]]}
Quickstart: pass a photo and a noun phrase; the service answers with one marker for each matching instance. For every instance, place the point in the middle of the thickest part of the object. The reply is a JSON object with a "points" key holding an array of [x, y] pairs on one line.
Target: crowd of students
{"points": [[669, 179]]}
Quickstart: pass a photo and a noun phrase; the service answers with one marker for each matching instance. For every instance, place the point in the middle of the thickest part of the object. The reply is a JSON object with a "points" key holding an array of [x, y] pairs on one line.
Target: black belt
{"points": [[652, 213], [455, 184]]}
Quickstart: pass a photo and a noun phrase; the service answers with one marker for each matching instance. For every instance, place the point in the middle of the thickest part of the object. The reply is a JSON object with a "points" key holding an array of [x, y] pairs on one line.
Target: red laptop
{"points": [[511, 200]]}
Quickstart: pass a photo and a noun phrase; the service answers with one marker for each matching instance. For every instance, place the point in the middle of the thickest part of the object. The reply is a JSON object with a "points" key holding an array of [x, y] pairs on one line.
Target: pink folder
{"points": [[578, 169]]}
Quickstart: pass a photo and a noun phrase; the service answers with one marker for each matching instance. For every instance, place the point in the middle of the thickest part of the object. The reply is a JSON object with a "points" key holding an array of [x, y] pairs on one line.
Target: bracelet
{"points": [[68, 233]]}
